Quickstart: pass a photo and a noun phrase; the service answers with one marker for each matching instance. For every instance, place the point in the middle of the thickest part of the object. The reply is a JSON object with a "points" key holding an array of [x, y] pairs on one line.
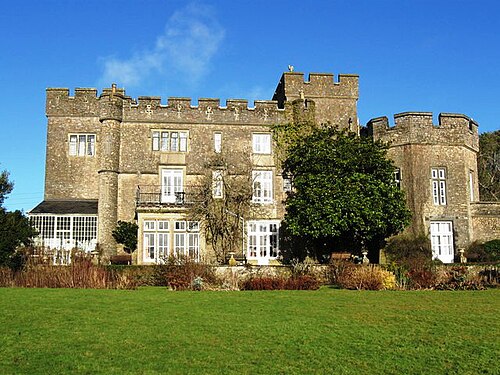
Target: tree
{"points": [[5, 186], [125, 233], [15, 228], [344, 196], [223, 200], [489, 166]]}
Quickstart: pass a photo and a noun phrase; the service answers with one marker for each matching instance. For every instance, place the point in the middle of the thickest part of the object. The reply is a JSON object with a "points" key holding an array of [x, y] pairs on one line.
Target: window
{"points": [[218, 142], [471, 185], [287, 184], [66, 232], [174, 141], [397, 177], [156, 240], [263, 240], [187, 239], [438, 186], [172, 188], [442, 240], [217, 184], [82, 144], [261, 143], [262, 182]]}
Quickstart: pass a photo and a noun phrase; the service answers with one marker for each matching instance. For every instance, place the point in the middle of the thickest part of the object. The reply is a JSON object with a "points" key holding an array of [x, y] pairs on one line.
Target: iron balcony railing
{"points": [[147, 195]]}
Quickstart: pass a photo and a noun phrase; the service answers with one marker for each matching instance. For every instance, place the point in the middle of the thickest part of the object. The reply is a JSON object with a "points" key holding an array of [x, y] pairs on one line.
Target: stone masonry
{"points": [[124, 159]]}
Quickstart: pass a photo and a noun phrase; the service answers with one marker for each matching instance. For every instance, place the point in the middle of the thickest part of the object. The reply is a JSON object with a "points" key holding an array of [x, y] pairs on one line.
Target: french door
{"points": [[442, 241], [172, 189]]}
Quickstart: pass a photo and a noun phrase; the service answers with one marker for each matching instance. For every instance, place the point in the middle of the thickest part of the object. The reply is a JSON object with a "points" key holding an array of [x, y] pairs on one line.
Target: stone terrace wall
{"points": [[486, 221]]}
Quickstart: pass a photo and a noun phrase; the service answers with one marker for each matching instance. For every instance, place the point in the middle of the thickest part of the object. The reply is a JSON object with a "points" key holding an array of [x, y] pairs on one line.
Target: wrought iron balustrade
{"points": [[159, 195]]}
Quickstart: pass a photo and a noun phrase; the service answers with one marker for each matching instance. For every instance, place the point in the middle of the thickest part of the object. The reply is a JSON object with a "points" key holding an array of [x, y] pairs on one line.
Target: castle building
{"points": [[111, 158]]}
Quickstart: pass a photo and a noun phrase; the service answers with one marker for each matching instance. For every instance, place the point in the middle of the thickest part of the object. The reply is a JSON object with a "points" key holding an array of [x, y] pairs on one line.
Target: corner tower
{"points": [[437, 168]]}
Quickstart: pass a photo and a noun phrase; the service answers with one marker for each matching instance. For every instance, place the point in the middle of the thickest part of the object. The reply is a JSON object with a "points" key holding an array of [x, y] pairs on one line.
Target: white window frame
{"points": [[397, 177], [81, 144], [63, 233], [263, 240], [471, 185], [441, 233], [172, 185], [262, 186], [187, 239], [438, 176], [261, 143], [156, 240], [217, 184], [169, 140], [218, 142], [287, 184]]}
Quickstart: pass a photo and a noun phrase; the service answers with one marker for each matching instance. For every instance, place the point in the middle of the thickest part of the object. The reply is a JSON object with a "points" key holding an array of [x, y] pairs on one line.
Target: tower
{"points": [[110, 117], [436, 165]]}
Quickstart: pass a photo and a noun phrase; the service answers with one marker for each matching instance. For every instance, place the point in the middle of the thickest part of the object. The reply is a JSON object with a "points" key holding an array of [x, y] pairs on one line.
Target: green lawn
{"points": [[152, 330]]}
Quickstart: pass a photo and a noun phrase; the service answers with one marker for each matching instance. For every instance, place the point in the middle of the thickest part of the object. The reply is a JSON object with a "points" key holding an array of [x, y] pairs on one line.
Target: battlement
{"points": [[86, 102], [293, 86], [207, 110], [419, 128]]}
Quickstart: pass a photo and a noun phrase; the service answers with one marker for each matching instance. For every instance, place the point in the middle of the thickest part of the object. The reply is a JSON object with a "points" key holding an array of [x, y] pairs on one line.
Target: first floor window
{"points": [[263, 240], [174, 141], [82, 144], [218, 142], [442, 240], [172, 186], [287, 184], [471, 185], [261, 143], [438, 186], [217, 184], [262, 183], [397, 177]]}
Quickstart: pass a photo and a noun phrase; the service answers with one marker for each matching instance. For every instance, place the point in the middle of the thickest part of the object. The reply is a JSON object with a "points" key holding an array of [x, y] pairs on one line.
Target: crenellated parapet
{"points": [[114, 104], [60, 103], [293, 86], [208, 110], [419, 128]]}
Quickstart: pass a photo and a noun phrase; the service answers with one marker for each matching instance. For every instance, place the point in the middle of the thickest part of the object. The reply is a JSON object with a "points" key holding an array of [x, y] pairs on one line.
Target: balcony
{"points": [[157, 195]]}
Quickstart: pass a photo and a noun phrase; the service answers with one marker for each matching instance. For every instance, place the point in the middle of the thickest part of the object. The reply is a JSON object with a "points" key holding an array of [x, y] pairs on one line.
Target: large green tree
{"points": [[489, 166], [344, 196], [15, 229]]}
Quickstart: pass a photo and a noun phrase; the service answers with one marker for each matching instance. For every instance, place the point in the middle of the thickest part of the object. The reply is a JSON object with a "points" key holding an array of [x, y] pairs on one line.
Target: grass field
{"points": [[329, 331]]}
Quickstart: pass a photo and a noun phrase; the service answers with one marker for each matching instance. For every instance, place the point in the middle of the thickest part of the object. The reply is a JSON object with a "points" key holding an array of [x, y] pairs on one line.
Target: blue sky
{"points": [[433, 56]]}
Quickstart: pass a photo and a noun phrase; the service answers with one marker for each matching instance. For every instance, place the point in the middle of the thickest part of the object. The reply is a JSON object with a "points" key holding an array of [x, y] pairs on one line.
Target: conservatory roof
{"points": [[65, 207]]}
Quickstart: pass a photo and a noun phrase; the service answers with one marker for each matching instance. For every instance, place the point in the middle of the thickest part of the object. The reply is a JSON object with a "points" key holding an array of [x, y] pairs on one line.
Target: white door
{"points": [[171, 186], [262, 241], [442, 241]]}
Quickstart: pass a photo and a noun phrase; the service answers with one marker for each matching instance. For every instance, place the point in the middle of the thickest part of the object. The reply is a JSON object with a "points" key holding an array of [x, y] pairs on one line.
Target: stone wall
{"points": [[486, 221], [70, 177], [336, 102]]}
